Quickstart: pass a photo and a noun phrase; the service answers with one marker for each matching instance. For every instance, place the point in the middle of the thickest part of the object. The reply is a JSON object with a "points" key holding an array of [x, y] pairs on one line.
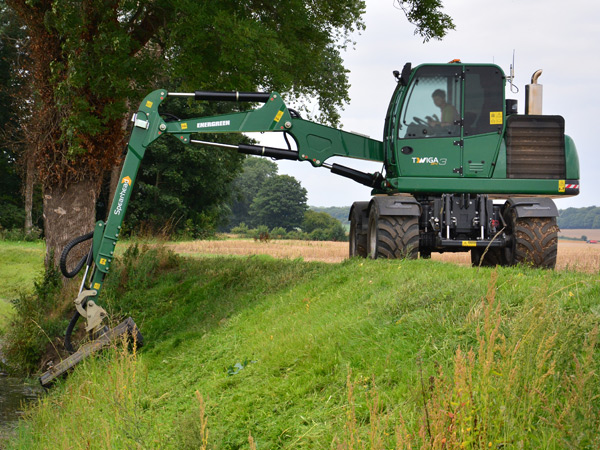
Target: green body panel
{"points": [[572, 159], [479, 155], [271, 117], [506, 187], [436, 157], [499, 170], [316, 143]]}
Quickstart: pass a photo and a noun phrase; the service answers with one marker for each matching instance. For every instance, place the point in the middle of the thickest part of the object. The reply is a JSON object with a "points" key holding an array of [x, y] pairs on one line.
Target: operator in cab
{"points": [[448, 112]]}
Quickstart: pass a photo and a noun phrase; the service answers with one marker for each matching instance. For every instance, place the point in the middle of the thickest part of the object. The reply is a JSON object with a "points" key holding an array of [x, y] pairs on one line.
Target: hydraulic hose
{"points": [[63, 268], [70, 328], [65, 254]]}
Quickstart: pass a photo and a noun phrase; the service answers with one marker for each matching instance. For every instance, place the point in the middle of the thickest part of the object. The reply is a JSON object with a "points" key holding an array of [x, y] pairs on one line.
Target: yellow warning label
{"points": [[96, 285], [496, 118], [469, 243], [102, 261], [149, 104], [184, 126], [561, 185], [278, 116]]}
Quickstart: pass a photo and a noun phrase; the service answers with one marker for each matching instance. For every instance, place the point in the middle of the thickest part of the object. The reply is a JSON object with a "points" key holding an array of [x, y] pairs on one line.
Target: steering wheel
{"points": [[420, 121]]}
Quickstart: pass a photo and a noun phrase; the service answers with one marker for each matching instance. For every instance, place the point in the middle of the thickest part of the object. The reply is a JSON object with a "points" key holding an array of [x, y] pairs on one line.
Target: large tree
{"points": [[88, 58], [280, 202]]}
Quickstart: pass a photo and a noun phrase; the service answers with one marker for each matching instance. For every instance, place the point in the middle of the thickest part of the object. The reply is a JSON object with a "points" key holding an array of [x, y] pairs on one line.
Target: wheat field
{"points": [[572, 255]]}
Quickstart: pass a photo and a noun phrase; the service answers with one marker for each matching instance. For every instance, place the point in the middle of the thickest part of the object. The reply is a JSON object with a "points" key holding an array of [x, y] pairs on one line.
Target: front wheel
{"points": [[393, 237]]}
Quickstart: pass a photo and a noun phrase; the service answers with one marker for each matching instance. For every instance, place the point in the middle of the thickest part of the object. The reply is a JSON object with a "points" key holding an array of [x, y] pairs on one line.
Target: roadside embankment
{"points": [[255, 352]]}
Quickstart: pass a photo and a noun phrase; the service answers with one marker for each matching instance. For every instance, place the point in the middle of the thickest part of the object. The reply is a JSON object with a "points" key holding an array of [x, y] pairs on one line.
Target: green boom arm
{"points": [[316, 143]]}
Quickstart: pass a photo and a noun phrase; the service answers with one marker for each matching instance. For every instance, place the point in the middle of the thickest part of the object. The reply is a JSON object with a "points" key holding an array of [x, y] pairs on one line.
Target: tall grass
{"points": [[530, 383], [104, 405]]}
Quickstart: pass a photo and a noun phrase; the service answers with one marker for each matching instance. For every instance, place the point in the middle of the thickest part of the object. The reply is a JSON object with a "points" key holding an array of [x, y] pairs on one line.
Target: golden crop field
{"points": [[577, 233], [572, 255]]}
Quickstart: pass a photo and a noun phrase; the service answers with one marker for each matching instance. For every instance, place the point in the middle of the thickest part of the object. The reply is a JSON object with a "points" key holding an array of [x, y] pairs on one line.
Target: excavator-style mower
{"points": [[452, 147]]}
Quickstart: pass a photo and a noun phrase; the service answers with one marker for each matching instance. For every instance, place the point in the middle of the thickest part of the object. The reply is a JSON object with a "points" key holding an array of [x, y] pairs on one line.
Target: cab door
{"points": [[429, 126], [483, 119]]}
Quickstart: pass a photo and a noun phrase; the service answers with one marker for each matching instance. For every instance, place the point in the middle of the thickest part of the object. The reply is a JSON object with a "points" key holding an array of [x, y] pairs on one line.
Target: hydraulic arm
{"points": [[315, 143]]}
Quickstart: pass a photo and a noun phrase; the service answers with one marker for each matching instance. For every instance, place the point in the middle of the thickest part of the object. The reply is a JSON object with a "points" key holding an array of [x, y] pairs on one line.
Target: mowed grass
{"points": [[257, 352], [20, 264]]}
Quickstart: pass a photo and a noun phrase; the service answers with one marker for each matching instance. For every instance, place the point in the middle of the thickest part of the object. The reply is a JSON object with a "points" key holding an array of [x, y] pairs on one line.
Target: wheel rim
{"points": [[372, 234]]}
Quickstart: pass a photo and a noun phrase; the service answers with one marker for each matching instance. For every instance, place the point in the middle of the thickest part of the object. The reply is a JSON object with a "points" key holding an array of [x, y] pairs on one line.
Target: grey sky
{"points": [[561, 38]]}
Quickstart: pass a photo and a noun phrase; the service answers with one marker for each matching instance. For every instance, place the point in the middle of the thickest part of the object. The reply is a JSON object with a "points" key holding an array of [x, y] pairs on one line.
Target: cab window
{"points": [[484, 99], [432, 104]]}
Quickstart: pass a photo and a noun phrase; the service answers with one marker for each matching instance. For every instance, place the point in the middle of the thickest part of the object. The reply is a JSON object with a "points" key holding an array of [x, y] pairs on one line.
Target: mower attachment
{"points": [[127, 327]]}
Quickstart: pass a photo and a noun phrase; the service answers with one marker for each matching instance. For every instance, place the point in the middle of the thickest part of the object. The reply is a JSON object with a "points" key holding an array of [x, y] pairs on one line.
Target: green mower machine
{"points": [[452, 147]]}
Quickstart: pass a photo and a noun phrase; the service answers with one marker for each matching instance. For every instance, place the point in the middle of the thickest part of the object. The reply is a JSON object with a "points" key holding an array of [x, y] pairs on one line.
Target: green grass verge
{"points": [[20, 264], [362, 354]]}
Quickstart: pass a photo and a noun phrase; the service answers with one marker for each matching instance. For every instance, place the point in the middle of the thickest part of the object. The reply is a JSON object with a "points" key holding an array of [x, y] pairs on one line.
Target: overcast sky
{"points": [[562, 38]]}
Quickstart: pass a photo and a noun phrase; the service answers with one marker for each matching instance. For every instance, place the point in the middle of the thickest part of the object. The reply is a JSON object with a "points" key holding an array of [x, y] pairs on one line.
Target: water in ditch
{"points": [[15, 393]]}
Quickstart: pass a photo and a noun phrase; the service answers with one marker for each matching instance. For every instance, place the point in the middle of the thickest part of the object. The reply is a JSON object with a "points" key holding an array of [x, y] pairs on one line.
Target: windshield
{"points": [[433, 103]]}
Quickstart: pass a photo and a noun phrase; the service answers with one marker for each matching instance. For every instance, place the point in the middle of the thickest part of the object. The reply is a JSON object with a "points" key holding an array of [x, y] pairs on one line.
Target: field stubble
{"points": [[572, 255]]}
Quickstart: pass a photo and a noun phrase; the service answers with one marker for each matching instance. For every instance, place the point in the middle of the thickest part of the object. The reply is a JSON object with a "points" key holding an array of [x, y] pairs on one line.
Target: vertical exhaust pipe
{"points": [[533, 95]]}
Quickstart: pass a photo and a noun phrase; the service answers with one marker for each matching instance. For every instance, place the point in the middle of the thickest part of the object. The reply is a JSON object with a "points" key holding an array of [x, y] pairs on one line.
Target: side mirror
{"points": [[406, 70]]}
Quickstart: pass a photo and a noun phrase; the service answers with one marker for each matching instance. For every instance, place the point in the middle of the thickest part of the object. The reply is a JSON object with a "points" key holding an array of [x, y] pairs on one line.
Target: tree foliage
{"points": [[428, 17], [337, 212], [13, 109], [321, 226], [245, 187], [587, 217], [280, 202]]}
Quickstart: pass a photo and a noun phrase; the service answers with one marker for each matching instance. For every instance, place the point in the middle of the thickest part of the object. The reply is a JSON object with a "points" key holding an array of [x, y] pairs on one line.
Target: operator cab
{"points": [[449, 120]]}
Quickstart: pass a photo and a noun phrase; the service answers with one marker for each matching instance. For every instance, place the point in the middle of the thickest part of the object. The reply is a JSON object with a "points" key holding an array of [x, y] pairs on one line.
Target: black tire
{"points": [[535, 240], [392, 237], [493, 257], [357, 236]]}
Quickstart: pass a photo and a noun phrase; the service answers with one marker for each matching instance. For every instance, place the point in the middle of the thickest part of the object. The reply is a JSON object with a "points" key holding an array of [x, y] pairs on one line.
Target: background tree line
{"points": [[586, 217], [265, 202]]}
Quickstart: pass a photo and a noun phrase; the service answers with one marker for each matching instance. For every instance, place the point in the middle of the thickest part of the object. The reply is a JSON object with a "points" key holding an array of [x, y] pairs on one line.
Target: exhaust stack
{"points": [[533, 95]]}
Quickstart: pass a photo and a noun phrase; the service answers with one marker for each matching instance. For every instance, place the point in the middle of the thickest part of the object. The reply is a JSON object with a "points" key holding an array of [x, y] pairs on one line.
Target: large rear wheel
{"points": [[392, 237], [535, 240]]}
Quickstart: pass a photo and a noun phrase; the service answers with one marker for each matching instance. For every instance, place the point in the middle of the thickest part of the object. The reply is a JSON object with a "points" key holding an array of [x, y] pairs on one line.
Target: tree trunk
{"points": [[114, 182], [29, 181], [68, 213]]}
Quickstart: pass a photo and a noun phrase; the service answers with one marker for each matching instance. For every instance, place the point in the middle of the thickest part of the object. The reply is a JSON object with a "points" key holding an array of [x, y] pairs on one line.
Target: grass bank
{"points": [[20, 264], [262, 353]]}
